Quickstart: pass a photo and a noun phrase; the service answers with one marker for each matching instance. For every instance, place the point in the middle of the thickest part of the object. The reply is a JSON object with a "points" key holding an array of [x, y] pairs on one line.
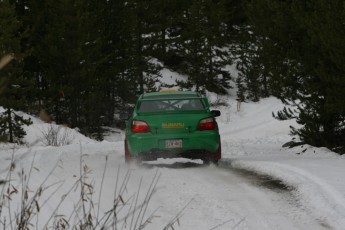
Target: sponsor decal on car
{"points": [[173, 125]]}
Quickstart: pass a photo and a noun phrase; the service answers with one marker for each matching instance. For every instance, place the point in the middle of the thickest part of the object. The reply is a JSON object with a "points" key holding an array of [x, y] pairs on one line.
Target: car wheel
{"points": [[215, 162], [128, 156], [206, 161]]}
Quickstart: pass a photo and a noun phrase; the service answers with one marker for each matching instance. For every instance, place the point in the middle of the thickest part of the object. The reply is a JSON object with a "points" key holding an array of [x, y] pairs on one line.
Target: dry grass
{"points": [[127, 211]]}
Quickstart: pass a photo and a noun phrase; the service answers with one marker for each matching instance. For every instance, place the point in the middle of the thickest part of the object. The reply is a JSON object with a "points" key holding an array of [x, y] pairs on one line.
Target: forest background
{"points": [[82, 62]]}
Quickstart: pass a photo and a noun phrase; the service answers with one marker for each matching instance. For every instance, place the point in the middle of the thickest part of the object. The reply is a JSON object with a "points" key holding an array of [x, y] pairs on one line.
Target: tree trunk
{"points": [[10, 125]]}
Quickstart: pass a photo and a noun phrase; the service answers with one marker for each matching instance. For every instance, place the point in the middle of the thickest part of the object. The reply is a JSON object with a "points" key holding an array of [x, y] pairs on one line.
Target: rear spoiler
{"points": [[171, 99]]}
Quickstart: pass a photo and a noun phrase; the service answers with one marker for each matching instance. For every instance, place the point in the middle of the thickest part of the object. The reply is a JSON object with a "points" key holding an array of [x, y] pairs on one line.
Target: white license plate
{"points": [[177, 143]]}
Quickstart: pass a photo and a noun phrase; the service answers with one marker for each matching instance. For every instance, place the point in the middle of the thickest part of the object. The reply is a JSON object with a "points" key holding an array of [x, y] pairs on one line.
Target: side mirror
{"points": [[215, 113]]}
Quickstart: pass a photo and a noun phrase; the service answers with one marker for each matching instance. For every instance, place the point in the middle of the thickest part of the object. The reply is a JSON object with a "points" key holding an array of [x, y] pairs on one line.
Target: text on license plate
{"points": [[176, 143]]}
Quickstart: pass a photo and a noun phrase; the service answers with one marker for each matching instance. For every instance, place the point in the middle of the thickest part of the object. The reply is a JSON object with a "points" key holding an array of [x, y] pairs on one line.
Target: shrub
{"points": [[57, 135]]}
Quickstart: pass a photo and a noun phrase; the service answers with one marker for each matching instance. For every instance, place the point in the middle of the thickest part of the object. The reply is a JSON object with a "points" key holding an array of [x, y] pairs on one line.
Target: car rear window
{"points": [[171, 105]]}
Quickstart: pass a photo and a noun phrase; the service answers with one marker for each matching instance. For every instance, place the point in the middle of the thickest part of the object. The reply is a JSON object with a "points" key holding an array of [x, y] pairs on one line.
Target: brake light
{"points": [[206, 124], [140, 127]]}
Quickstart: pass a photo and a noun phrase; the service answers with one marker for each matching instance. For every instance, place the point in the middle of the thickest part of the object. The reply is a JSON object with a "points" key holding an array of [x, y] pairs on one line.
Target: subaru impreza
{"points": [[172, 125]]}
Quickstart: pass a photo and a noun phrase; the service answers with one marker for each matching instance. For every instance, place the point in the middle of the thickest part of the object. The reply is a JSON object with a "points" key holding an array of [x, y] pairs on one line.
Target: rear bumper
{"points": [[199, 145]]}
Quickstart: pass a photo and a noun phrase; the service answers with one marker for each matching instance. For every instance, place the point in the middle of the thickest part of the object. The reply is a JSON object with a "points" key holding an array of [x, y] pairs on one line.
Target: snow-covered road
{"points": [[258, 185], [230, 199], [203, 197]]}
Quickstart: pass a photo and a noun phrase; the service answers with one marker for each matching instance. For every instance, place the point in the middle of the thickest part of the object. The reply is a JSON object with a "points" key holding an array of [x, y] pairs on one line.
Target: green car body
{"points": [[170, 125]]}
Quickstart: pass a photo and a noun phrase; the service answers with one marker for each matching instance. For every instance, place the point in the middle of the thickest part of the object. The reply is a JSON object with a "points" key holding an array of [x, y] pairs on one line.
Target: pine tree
{"points": [[12, 96], [119, 48], [165, 23], [324, 103], [304, 54], [30, 26], [202, 47], [241, 88], [254, 66], [143, 65], [58, 38]]}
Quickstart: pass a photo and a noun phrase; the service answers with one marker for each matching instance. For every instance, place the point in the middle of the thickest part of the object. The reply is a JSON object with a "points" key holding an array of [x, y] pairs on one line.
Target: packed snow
{"points": [[177, 193]]}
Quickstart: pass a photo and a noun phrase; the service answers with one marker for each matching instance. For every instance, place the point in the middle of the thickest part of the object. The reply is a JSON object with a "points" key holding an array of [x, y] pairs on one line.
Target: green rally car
{"points": [[170, 125]]}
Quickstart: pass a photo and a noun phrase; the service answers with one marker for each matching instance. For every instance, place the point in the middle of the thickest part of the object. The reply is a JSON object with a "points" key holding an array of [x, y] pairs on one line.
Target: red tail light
{"points": [[140, 127], [206, 124]]}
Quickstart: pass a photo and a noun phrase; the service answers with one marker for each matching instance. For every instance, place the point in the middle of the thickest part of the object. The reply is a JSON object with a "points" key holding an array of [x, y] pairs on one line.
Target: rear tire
{"points": [[207, 161], [128, 157]]}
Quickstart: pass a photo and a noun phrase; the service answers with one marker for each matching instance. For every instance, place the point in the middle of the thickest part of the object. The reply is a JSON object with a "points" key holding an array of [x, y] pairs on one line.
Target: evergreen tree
{"points": [[241, 89], [119, 48], [304, 56], [166, 25], [30, 18], [256, 75], [143, 65], [13, 94], [323, 22], [202, 47], [89, 52], [59, 35]]}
